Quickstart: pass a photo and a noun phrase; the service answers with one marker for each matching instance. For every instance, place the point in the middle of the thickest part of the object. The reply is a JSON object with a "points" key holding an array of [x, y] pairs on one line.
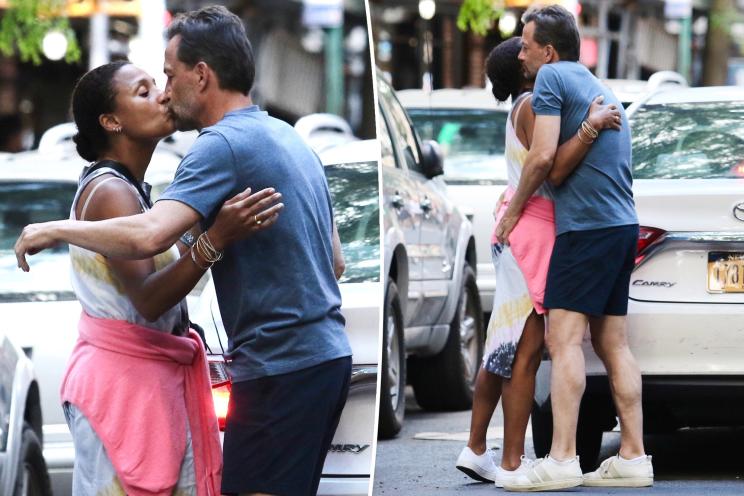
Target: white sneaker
{"points": [[547, 474], [618, 472], [504, 476], [479, 467]]}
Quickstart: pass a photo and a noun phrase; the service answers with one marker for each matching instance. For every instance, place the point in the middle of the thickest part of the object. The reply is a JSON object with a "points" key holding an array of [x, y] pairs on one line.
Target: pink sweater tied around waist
{"points": [[140, 389], [531, 243]]}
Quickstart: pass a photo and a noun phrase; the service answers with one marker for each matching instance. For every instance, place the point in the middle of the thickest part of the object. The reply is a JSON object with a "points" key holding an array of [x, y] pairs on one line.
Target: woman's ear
{"points": [[109, 123]]}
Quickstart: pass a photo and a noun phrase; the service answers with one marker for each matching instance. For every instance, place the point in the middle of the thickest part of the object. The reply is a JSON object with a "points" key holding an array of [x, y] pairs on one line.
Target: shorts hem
{"points": [[289, 369], [583, 310]]}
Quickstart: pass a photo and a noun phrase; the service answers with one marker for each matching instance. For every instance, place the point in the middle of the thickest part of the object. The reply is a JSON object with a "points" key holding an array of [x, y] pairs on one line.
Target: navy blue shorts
{"points": [[590, 270], [279, 429]]}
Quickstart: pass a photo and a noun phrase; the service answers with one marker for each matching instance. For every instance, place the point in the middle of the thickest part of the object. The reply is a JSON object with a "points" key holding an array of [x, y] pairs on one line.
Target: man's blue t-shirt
{"points": [[598, 193], [277, 293]]}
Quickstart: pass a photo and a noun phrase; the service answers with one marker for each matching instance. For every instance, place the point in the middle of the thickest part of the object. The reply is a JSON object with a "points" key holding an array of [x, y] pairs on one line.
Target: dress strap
{"points": [[90, 195], [515, 111]]}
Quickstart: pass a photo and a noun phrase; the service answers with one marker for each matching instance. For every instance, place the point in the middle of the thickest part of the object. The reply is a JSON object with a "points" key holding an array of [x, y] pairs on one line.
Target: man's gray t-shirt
{"points": [[598, 194], [277, 293]]}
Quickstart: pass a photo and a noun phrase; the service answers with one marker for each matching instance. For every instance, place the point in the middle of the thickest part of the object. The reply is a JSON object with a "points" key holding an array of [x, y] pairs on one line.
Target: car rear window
{"points": [[472, 140], [688, 141], [356, 208]]}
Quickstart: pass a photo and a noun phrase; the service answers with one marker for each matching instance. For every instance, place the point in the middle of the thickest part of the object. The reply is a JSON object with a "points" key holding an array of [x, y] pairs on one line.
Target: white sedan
{"points": [[686, 308]]}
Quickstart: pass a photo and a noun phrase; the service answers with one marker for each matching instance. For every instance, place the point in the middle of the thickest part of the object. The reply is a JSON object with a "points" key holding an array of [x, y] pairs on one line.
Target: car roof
{"points": [[466, 98], [352, 152], [65, 165], [696, 95], [627, 90]]}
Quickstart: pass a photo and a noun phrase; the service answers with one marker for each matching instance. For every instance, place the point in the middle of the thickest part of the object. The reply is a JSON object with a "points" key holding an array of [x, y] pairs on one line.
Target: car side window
{"points": [[387, 157], [401, 130]]}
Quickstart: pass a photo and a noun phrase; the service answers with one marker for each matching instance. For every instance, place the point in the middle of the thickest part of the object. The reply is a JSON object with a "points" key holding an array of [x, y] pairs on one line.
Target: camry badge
{"points": [[348, 448], [739, 211]]}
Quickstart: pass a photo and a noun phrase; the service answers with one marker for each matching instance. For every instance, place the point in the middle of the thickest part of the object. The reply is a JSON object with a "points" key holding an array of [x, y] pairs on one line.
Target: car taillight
{"points": [[738, 169], [221, 388], [221, 398], [647, 236]]}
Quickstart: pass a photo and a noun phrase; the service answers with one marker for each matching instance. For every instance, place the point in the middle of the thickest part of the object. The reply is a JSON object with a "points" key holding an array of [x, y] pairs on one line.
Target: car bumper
{"points": [[679, 339], [351, 486], [59, 454], [486, 280]]}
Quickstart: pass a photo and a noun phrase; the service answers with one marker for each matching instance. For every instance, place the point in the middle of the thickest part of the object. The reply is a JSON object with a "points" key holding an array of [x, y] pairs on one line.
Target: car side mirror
{"points": [[432, 161]]}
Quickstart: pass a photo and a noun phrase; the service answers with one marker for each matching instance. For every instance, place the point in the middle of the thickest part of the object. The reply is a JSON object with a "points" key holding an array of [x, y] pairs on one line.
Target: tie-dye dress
{"points": [[102, 295], [521, 267]]}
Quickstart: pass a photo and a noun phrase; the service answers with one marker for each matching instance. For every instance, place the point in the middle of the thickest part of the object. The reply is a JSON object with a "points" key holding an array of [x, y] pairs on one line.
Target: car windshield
{"points": [[472, 141], [354, 189], [688, 141], [26, 202]]}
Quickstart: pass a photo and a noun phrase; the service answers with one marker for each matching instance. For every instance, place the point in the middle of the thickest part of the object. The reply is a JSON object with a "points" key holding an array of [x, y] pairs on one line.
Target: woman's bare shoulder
{"points": [[112, 197]]}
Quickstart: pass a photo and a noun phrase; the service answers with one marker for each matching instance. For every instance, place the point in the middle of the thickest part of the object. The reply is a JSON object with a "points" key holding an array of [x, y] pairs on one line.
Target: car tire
{"points": [[32, 478], [446, 381], [542, 430], [393, 378], [596, 416]]}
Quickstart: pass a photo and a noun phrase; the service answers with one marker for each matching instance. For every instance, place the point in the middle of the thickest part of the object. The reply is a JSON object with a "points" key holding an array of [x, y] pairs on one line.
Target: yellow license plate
{"points": [[725, 272]]}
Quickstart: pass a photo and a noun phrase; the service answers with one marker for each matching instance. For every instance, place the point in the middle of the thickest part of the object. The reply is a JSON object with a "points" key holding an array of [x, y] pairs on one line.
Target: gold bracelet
{"points": [[204, 251], [211, 247], [578, 134], [589, 129], [207, 250], [193, 258]]}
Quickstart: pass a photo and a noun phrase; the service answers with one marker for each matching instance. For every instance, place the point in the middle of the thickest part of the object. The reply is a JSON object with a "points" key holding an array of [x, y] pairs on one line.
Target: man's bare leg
{"points": [[567, 379], [609, 339], [485, 398], [519, 391]]}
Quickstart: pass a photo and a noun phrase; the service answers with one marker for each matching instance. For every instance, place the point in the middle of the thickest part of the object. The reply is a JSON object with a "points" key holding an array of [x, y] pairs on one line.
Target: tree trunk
{"points": [[717, 43]]}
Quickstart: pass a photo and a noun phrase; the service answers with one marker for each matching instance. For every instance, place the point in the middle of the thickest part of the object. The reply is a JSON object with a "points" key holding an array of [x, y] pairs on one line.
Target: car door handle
{"points": [[425, 204], [397, 201], [446, 267]]}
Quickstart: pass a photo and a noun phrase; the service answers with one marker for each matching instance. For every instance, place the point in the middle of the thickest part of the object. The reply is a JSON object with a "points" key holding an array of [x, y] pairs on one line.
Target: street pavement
{"points": [[689, 462]]}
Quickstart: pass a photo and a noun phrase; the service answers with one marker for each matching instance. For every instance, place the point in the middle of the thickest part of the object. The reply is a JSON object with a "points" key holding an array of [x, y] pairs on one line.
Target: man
{"points": [[277, 290], [589, 274]]}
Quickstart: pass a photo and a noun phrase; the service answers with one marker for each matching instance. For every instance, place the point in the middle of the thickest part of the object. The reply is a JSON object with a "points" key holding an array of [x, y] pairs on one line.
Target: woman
{"points": [[136, 392], [516, 330]]}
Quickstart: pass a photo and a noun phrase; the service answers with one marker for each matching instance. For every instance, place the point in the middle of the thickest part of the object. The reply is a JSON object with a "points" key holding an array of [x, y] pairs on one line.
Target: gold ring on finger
{"points": [[257, 220]]}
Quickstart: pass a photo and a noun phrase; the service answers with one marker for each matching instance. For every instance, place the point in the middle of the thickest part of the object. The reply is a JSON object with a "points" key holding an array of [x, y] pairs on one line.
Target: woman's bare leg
{"points": [[519, 391], [485, 398]]}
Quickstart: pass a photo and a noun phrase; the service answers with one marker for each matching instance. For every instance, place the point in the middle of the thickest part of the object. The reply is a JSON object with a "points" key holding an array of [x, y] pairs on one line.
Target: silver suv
{"points": [[432, 323], [22, 468]]}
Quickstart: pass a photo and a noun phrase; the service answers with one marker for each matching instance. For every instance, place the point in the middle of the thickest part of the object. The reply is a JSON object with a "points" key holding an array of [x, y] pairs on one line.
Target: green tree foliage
{"points": [[478, 16], [25, 23]]}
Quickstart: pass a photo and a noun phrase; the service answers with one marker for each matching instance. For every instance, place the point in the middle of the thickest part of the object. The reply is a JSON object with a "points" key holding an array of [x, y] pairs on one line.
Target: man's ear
{"points": [[550, 54], [203, 74], [110, 123]]}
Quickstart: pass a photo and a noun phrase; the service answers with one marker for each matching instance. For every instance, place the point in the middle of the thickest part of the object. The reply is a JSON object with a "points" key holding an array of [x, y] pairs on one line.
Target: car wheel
{"points": [[542, 430], [32, 478], [393, 379], [595, 416], [446, 381]]}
